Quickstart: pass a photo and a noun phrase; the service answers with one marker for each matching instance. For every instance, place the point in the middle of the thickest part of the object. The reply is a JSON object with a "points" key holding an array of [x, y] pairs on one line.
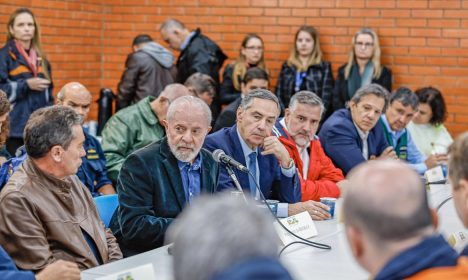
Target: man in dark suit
{"points": [[351, 136], [254, 78], [159, 180], [250, 143]]}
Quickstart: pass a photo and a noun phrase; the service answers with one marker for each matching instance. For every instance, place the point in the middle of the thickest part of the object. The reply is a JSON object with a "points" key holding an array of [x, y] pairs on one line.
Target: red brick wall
{"points": [[424, 42]]}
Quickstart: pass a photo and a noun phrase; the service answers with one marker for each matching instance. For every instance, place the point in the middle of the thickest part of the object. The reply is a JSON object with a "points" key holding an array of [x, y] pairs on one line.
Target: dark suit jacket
{"points": [[151, 195], [228, 116], [341, 142], [272, 182]]}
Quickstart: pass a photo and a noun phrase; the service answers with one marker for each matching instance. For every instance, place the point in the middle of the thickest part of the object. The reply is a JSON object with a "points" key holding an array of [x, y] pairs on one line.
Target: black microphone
{"points": [[220, 156]]}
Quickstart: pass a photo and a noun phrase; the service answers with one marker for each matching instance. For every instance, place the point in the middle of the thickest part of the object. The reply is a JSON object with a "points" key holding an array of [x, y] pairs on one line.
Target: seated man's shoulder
{"points": [[338, 122]]}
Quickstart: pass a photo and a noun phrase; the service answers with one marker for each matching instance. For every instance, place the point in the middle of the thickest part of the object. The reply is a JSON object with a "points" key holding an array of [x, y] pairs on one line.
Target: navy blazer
{"points": [[341, 142], [151, 195], [272, 182]]}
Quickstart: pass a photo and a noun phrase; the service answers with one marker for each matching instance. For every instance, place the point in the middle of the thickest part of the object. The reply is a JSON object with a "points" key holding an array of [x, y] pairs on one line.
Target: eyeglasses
{"points": [[365, 45], [254, 48]]}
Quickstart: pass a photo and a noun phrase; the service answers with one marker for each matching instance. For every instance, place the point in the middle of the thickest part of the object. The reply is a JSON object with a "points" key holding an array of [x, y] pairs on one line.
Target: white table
{"points": [[302, 261]]}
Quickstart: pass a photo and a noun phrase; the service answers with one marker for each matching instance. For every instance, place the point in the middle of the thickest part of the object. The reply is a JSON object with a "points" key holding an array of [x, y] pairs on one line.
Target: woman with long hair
{"points": [[250, 55], [24, 73], [364, 67], [305, 69]]}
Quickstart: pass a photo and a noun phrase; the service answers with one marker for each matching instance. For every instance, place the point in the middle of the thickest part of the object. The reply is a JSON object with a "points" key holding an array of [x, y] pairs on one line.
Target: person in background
{"points": [[4, 126], [254, 78], [390, 228], [148, 70], [203, 86], [403, 105], [159, 180], [250, 55], [319, 177], [137, 126], [427, 127], [25, 74], [242, 233], [93, 170], [364, 67], [352, 136], [305, 69]]}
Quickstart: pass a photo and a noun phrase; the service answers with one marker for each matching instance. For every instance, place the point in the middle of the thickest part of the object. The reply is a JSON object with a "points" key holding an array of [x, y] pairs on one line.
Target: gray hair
{"points": [[307, 98], [218, 231], [261, 94], [195, 103], [374, 89], [201, 83], [172, 23], [406, 96], [49, 127]]}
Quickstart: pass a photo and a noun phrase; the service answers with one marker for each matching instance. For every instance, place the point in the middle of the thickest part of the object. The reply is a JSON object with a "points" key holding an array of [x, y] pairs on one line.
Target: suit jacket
{"points": [[9, 271], [151, 195], [228, 116], [272, 182], [322, 175], [341, 141]]}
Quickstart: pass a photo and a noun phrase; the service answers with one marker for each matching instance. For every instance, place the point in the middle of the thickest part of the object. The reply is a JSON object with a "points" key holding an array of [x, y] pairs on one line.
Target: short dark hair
{"points": [[49, 127], [201, 83], [433, 97], [371, 89], [142, 38], [406, 96], [255, 73]]}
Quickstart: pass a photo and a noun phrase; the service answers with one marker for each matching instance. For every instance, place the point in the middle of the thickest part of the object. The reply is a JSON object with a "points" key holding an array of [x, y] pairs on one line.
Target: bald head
{"points": [[387, 201], [77, 97], [166, 97]]}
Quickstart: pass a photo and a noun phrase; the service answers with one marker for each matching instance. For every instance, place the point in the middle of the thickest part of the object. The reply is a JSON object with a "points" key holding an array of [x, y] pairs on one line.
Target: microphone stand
{"points": [[234, 179]]}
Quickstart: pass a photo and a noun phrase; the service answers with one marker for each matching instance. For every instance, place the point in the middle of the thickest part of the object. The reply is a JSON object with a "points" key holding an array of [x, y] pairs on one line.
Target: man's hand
{"points": [[106, 189], [273, 146], [59, 270], [38, 84], [431, 161], [317, 210], [388, 153]]}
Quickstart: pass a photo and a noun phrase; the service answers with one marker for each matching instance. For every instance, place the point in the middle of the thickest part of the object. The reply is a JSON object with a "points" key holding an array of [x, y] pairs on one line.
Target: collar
{"points": [[196, 165], [246, 150], [361, 133], [396, 134], [144, 106], [187, 41], [55, 184]]}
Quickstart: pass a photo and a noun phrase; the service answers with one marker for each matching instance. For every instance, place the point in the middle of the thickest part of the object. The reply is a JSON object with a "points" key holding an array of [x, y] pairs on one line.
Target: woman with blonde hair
{"points": [[305, 69], [24, 73], [250, 55], [363, 68]]}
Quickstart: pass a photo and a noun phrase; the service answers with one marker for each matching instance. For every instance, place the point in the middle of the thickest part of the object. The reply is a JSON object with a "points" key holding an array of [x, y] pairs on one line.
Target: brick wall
{"points": [[423, 42]]}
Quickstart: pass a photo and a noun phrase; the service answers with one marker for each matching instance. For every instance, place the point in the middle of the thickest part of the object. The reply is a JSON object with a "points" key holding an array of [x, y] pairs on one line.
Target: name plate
{"points": [[435, 175], [300, 224], [143, 272]]}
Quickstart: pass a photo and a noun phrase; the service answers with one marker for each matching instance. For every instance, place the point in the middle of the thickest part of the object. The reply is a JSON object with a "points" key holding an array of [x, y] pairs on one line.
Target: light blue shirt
{"points": [[290, 172], [415, 157], [191, 177], [187, 40]]}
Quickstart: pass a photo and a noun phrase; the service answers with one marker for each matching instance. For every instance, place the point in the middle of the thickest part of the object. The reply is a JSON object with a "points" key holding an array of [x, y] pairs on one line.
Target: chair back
{"points": [[106, 205]]}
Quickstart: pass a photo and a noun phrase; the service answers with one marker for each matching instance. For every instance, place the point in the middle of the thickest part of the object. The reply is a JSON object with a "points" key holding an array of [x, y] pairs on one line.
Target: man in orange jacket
{"points": [[319, 177]]}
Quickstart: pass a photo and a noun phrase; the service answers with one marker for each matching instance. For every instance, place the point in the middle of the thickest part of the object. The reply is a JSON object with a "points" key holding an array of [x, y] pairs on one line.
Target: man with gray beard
{"points": [[159, 180]]}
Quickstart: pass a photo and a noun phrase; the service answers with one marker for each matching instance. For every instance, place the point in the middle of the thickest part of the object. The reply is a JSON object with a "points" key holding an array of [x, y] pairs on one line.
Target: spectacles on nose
{"points": [[364, 45], [253, 48]]}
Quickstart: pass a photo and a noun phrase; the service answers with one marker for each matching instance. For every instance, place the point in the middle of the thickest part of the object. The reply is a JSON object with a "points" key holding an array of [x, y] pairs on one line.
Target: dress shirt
{"points": [[365, 146], [191, 177]]}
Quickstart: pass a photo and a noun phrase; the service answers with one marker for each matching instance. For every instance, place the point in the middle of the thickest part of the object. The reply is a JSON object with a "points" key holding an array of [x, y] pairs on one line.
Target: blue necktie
{"points": [[253, 171]]}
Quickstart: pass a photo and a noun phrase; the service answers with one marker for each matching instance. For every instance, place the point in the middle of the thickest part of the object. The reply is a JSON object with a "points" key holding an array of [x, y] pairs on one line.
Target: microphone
{"points": [[220, 156]]}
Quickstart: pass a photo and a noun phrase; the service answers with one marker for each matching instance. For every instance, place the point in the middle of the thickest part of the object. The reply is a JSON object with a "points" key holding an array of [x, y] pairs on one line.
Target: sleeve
{"points": [[25, 234], [101, 174], [289, 189], [387, 79], [282, 89], [112, 246], [336, 102], [116, 142], [227, 91], [327, 86], [415, 157], [127, 84], [15, 90], [203, 61], [9, 271], [137, 219], [227, 118]]}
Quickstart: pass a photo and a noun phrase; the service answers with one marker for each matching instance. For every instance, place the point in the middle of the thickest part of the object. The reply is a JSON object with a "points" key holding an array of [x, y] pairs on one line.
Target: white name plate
{"points": [[435, 174], [143, 272], [300, 224]]}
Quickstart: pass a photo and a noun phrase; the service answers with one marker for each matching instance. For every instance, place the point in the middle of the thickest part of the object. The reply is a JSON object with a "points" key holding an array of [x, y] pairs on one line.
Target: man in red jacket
{"points": [[319, 177]]}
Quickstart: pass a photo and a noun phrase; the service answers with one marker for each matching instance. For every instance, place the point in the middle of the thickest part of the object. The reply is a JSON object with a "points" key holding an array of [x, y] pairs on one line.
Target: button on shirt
{"points": [[191, 177]]}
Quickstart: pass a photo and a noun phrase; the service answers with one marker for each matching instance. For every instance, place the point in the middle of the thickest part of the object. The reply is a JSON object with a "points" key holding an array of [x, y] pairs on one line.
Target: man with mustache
{"points": [[319, 177], [159, 180], [250, 142], [403, 106], [350, 136]]}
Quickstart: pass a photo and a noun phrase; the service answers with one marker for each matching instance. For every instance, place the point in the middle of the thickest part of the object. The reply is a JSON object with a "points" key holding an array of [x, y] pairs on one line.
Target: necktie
{"points": [[253, 171]]}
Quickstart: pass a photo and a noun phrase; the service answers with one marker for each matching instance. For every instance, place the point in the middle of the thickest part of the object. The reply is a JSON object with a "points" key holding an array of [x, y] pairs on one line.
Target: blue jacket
{"points": [[272, 182], [14, 71], [432, 252], [341, 141], [8, 270], [93, 170]]}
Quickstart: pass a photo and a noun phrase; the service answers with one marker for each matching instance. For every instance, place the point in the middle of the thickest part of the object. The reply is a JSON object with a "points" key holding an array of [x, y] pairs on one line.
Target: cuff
{"points": [[282, 211], [289, 172]]}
